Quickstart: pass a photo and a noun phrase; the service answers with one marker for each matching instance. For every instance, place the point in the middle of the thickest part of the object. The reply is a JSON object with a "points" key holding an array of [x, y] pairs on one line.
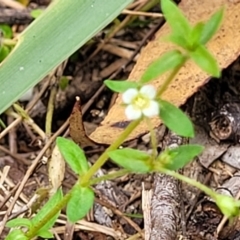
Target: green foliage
{"points": [[56, 34], [36, 13], [175, 119], [52, 202], [80, 203], [73, 155], [166, 62], [16, 234], [6, 31], [120, 86], [131, 159], [175, 18], [63, 83], [19, 222], [176, 158], [193, 39], [204, 59], [211, 26]]}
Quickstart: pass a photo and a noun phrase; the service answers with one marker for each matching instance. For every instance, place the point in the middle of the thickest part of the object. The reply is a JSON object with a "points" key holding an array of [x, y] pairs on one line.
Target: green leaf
{"points": [[204, 59], [4, 51], [6, 30], [176, 158], [211, 26], [51, 203], [166, 62], [73, 155], [80, 203], [18, 222], [120, 86], [175, 119], [175, 18], [195, 35], [35, 13], [16, 234], [50, 39], [63, 83], [132, 159], [45, 234], [179, 40]]}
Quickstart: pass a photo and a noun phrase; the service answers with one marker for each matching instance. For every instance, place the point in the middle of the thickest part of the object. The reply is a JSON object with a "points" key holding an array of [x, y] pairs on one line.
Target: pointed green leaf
{"points": [[80, 203], [174, 159], [18, 222], [16, 234], [175, 18], [195, 35], [211, 26], [132, 159], [73, 155], [175, 119], [120, 86], [166, 62], [52, 202], [204, 59]]}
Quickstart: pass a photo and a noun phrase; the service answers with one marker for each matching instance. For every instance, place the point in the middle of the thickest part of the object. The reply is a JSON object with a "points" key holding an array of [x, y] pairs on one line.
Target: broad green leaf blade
{"points": [[57, 33], [16, 234], [176, 158], [18, 222], [175, 119], [211, 26], [52, 202], [204, 59], [73, 155], [132, 159], [175, 18], [80, 203], [166, 62], [120, 86]]}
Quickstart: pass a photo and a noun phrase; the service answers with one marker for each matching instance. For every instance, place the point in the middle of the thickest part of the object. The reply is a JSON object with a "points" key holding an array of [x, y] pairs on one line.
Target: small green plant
{"points": [[142, 102]]}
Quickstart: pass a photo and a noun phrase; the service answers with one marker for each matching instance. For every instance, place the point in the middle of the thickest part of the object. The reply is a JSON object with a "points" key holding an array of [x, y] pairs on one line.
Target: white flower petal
{"points": [[132, 112], [149, 90], [152, 110], [128, 96]]}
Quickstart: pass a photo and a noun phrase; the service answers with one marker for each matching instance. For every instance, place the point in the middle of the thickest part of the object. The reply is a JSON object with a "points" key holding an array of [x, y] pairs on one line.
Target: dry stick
{"points": [[29, 172], [15, 156], [119, 213], [128, 19]]}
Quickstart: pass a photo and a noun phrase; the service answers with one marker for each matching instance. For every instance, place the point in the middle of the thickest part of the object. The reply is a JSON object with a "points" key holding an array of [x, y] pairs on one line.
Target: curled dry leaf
{"points": [[225, 46], [76, 127], [56, 170]]}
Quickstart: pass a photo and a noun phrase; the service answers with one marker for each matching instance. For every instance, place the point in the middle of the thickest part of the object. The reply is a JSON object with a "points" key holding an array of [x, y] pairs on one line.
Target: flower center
{"points": [[141, 101]]}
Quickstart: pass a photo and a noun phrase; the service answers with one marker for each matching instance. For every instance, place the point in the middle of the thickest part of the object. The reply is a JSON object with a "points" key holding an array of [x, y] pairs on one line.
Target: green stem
{"points": [[166, 83], [103, 158], [190, 181], [32, 232], [110, 176]]}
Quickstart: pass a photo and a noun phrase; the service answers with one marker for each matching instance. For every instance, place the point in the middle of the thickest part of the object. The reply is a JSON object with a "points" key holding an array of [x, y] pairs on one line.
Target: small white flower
{"points": [[140, 102]]}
